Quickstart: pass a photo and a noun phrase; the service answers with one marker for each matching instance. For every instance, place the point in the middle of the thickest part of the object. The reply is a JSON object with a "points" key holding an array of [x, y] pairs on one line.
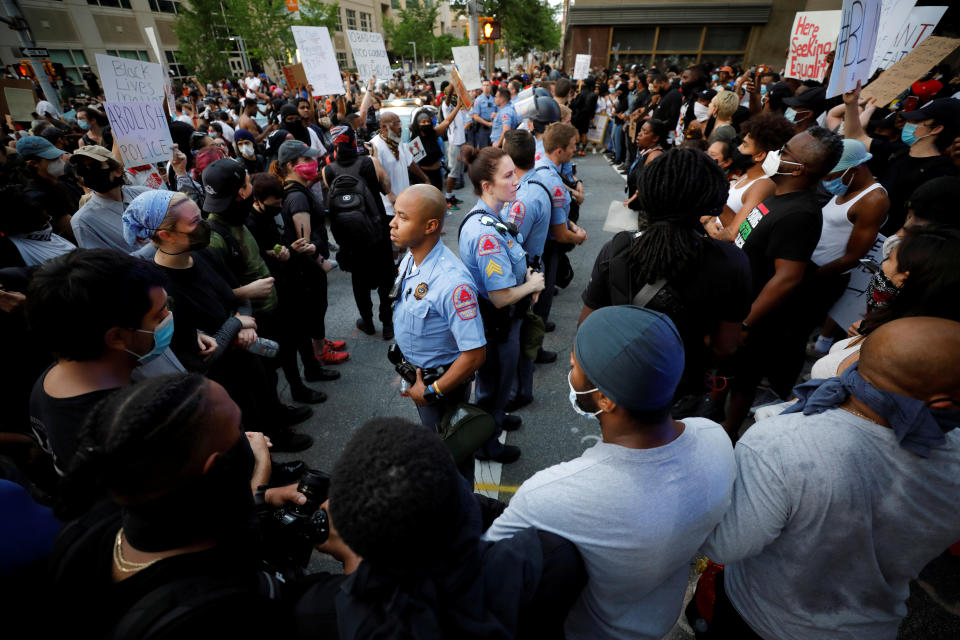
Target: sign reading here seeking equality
{"points": [[318, 59], [813, 36], [369, 54], [141, 130], [126, 80]]}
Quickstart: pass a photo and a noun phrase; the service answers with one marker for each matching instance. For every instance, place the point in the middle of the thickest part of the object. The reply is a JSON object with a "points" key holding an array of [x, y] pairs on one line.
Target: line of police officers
{"points": [[454, 318]]}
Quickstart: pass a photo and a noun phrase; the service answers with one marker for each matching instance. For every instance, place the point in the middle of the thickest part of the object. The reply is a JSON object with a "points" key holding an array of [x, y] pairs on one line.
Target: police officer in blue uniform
{"points": [[493, 254], [436, 316], [506, 118], [483, 112]]}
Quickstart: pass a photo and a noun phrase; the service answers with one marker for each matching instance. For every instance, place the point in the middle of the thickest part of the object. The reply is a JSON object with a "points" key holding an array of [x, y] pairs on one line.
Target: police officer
{"points": [[436, 316], [494, 256], [506, 117], [484, 109]]}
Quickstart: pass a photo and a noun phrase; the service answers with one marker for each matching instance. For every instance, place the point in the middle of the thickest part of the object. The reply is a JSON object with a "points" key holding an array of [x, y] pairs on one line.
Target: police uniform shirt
{"points": [[530, 212], [484, 106], [506, 117], [545, 171], [495, 260], [436, 316], [566, 169]]}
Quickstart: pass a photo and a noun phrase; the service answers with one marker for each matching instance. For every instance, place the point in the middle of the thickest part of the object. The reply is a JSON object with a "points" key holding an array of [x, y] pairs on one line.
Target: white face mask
{"points": [[700, 111], [771, 164], [573, 400], [246, 150], [56, 169]]}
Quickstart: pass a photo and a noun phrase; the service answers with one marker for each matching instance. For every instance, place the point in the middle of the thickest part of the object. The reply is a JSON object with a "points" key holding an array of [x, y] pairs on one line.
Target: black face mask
{"points": [[236, 214], [271, 211], [200, 237], [101, 181]]}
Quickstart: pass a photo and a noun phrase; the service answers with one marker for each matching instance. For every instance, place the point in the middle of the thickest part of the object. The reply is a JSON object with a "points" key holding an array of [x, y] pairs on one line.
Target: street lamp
{"points": [[414, 54], [243, 52]]}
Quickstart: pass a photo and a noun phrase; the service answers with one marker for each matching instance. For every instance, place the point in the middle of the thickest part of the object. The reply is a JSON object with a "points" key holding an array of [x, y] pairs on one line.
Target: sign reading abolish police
{"points": [[141, 130], [318, 59], [369, 54], [813, 36], [130, 80]]}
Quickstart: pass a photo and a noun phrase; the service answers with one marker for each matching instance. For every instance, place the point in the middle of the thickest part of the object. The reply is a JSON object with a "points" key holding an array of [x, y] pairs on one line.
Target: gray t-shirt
{"points": [[830, 520], [99, 223], [637, 516]]}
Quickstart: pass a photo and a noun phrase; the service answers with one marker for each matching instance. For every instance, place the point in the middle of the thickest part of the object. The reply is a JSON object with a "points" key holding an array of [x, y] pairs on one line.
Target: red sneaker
{"points": [[328, 356], [334, 345]]}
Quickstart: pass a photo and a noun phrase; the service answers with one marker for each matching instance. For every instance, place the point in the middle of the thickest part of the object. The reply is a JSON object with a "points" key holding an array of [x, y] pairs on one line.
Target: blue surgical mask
{"points": [[84, 124], [715, 77], [836, 186], [790, 114], [573, 400], [763, 90], [162, 336], [908, 135]]}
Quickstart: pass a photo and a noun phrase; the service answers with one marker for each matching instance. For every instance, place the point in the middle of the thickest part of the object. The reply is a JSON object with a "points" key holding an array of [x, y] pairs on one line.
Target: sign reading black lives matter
{"points": [[126, 80], [141, 130], [369, 54]]}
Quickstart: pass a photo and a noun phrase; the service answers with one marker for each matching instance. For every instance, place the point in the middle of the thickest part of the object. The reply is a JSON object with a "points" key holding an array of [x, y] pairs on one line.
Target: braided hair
{"points": [[676, 189]]}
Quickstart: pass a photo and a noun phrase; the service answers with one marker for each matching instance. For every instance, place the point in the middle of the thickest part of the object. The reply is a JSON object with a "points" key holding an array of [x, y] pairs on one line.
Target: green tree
{"points": [[265, 25], [525, 25], [199, 27], [444, 43], [415, 25]]}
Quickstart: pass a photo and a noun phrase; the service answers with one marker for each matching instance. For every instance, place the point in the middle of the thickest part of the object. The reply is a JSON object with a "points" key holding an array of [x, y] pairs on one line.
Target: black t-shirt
{"points": [[903, 175], [785, 227], [298, 199], [668, 109], [57, 421]]}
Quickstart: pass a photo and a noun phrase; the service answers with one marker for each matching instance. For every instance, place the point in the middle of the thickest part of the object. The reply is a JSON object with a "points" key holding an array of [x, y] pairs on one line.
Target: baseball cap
{"points": [[94, 151], [222, 181], [727, 69], [854, 154], [936, 200], [944, 110], [926, 89], [37, 147], [707, 94], [632, 354], [290, 150], [813, 99]]}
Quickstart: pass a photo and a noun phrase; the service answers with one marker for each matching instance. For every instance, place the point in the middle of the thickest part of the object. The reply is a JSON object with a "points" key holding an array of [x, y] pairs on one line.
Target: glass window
{"points": [[626, 59], [339, 23], [679, 38], [72, 61], [726, 38], [681, 60], [112, 4], [178, 69], [364, 21], [341, 60], [639, 39], [161, 6], [351, 19]]}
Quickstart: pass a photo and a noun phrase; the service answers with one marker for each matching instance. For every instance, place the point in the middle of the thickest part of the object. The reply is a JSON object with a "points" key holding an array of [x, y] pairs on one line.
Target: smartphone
{"points": [[869, 265]]}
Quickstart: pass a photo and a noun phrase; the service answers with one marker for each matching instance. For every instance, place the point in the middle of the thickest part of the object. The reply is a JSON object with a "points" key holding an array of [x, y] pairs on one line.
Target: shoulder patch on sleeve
{"points": [[558, 196], [518, 211], [465, 302], [489, 244]]}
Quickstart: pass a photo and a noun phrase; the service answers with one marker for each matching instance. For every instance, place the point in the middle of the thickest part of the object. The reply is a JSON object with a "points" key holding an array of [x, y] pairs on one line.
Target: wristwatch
{"points": [[432, 393]]}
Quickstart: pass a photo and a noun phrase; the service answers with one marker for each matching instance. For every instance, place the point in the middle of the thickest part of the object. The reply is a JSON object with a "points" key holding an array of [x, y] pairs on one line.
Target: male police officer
{"points": [[484, 108], [506, 117], [436, 317]]}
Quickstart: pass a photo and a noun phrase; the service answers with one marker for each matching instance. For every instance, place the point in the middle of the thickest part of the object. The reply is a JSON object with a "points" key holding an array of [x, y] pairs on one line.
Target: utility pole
{"points": [[18, 24], [414, 54], [474, 13]]}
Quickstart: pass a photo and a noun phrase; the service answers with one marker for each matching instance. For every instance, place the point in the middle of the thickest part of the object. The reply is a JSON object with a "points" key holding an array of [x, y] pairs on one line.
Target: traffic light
{"points": [[489, 30], [49, 70], [26, 70]]}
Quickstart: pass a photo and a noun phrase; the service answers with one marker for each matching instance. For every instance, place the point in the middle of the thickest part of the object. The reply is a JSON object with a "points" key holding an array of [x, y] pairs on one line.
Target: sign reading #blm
{"points": [[141, 131], [130, 80]]}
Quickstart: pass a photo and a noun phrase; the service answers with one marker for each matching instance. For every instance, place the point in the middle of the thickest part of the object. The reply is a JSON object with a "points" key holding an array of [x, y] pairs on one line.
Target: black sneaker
{"points": [[289, 441], [308, 395], [288, 416], [455, 200], [388, 332], [549, 326], [319, 374], [518, 402], [546, 357], [508, 454], [366, 326], [511, 423]]}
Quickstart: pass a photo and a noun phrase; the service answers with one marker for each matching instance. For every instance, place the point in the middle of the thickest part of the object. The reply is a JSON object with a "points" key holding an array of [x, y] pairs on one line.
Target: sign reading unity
{"points": [[141, 130], [126, 80], [813, 36], [858, 38], [910, 33], [581, 67], [369, 54], [467, 60], [318, 59]]}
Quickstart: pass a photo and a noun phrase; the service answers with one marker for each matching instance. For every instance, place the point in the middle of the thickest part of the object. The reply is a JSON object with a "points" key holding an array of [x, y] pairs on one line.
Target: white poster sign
{"points": [[126, 80], [852, 305], [915, 29], [467, 60], [369, 54], [581, 68], [167, 86], [319, 60], [813, 36], [141, 131], [416, 149], [858, 38], [893, 15]]}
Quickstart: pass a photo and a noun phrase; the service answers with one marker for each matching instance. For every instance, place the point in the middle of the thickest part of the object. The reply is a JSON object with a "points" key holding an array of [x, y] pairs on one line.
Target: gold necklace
{"points": [[119, 561]]}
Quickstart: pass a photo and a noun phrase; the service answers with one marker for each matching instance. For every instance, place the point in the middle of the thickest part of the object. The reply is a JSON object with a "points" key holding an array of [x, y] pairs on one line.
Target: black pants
{"points": [[432, 414], [374, 272], [563, 577], [246, 379], [551, 260], [273, 326]]}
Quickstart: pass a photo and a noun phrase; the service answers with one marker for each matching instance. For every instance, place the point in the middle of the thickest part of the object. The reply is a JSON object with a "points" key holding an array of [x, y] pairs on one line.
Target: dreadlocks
{"points": [[676, 189]]}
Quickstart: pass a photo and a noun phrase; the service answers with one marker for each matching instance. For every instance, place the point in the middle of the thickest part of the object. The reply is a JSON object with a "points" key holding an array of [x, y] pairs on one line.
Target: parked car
{"points": [[405, 108], [434, 70]]}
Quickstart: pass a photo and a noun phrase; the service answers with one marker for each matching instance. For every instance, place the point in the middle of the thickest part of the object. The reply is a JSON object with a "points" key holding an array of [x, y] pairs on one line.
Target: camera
{"points": [[406, 370], [292, 531]]}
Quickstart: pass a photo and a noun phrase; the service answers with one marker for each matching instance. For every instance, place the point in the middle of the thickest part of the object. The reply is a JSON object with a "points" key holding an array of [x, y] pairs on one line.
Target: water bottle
{"points": [[264, 347], [404, 386]]}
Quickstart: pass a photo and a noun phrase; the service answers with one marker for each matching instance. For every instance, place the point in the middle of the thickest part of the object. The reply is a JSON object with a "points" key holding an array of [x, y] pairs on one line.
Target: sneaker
{"points": [[508, 454], [451, 206], [284, 473], [289, 441], [287, 416], [455, 200], [549, 326], [334, 345], [316, 373], [333, 357], [511, 423], [366, 326], [388, 332]]}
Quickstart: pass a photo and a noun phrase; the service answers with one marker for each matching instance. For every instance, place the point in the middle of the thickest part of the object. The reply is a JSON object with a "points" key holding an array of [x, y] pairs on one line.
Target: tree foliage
{"points": [[525, 25], [416, 25], [199, 27]]}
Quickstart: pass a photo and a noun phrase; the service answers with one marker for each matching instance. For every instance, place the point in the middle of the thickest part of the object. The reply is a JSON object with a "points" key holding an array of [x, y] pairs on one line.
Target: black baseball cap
{"points": [[814, 99], [943, 110], [222, 181], [936, 200], [290, 150]]}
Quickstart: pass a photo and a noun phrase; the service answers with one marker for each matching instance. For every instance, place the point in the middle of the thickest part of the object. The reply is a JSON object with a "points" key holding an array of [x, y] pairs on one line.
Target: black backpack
{"points": [[354, 216]]}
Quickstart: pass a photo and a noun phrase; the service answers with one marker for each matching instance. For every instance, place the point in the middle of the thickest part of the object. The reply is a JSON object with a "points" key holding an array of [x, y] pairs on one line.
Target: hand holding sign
{"points": [[461, 90]]}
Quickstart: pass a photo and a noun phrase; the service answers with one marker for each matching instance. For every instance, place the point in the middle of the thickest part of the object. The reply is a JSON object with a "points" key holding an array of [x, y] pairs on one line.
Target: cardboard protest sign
{"points": [[461, 90], [581, 68], [910, 33], [893, 15], [416, 149], [17, 99], [369, 54], [852, 305], [813, 36], [858, 37], [467, 60], [318, 60], [909, 69], [294, 75], [141, 130], [127, 80], [598, 128]]}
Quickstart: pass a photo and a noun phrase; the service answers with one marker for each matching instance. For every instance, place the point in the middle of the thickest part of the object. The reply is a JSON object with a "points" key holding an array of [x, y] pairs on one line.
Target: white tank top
{"points": [[735, 195], [836, 229]]}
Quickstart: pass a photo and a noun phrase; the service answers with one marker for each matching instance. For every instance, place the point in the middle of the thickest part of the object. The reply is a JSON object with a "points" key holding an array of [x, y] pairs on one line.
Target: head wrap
{"points": [[243, 134], [144, 215], [344, 141]]}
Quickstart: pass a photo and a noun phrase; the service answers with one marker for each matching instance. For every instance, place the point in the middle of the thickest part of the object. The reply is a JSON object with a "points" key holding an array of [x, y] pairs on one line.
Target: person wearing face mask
{"points": [[96, 129], [120, 321], [26, 237], [636, 545], [99, 222], [424, 127], [247, 155], [291, 120], [214, 327], [827, 493], [493, 254], [805, 107], [43, 166]]}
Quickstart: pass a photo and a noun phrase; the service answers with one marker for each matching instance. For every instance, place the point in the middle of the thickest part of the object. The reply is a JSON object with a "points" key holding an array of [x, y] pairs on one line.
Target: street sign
{"points": [[34, 53]]}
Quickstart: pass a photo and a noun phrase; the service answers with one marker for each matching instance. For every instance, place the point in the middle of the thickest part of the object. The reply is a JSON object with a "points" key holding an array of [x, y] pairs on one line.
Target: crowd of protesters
{"points": [[147, 311]]}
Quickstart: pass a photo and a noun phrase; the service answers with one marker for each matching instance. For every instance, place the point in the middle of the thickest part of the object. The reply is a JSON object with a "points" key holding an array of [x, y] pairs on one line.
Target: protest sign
{"points": [[855, 45], [852, 305], [294, 75], [127, 80], [141, 130], [893, 15], [318, 60], [910, 33], [460, 89], [813, 36], [17, 99], [369, 54], [416, 149], [597, 128], [467, 60], [581, 68], [909, 69], [167, 85]]}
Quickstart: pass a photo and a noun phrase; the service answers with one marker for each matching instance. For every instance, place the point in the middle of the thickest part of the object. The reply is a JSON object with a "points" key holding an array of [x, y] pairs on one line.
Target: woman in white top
{"points": [[762, 133]]}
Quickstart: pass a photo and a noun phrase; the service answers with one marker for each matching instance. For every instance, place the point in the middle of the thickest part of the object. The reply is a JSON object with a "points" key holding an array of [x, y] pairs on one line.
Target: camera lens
{"points": [[314, 485]]}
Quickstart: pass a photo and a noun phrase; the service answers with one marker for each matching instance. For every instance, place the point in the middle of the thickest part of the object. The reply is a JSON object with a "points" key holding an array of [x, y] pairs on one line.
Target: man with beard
{"points": [[692, 82], [99, 222], [293, 122], [395, 158]]}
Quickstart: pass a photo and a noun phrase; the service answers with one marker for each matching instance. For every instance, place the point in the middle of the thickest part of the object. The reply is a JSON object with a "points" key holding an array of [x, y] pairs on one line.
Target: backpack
{"points": [[234, 256], [352, 212]]}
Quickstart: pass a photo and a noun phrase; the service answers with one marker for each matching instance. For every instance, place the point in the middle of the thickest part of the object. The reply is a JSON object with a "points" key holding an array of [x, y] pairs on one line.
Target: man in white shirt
{"points": [[252, 84], [456, 137], [640, 502], [395, 158]]}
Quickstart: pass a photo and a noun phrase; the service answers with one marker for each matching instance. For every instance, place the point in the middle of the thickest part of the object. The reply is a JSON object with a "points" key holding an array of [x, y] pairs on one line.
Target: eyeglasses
{"points": [[784, 150]]}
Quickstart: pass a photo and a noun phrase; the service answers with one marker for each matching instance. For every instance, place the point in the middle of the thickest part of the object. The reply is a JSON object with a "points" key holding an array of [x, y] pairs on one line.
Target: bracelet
{"points": [[436, 390], [744, 326]]}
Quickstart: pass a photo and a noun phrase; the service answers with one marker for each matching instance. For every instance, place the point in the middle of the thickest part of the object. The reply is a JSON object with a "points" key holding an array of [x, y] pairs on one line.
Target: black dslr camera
{"points": [[292, 531]]}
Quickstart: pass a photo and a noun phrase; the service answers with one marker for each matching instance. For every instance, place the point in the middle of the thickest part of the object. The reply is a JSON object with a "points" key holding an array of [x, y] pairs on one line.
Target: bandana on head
{"points": [[912, 421], [144, 215], [344, 141]]}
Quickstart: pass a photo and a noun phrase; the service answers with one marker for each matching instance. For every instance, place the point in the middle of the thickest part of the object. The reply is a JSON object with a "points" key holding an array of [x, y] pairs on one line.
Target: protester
{"points": [[26, 236], [43, 166], [395, 158], [423, 125]]}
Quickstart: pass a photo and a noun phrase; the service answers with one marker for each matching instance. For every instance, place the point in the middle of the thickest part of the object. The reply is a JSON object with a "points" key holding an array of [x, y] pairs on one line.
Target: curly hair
{"points": [[768, 130]]}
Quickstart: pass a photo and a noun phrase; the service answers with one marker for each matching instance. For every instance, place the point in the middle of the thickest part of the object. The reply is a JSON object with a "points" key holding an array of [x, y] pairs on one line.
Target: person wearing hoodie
{"points": [[245, 144]]}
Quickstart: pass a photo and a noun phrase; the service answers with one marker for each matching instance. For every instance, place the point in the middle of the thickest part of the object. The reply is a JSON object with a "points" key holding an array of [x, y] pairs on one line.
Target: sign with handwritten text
{"points": [[127, 80], [858, 38], [318, 59], [369, 54], [141, 130], [813, 36], [915, 29]]}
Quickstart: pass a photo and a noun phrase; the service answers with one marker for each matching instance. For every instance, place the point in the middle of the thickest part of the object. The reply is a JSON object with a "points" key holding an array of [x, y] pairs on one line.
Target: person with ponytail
{"points": [[702, 284]]}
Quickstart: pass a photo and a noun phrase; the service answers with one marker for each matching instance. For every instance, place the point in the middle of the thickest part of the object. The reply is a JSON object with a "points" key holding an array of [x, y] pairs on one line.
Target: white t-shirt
{"points": [[455, 132], [638, 517], [227, 131], [252, 84], [395, 167]]}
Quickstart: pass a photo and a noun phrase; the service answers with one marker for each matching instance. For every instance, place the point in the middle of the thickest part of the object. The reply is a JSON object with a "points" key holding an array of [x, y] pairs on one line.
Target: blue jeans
{"points": [[618, 142]]}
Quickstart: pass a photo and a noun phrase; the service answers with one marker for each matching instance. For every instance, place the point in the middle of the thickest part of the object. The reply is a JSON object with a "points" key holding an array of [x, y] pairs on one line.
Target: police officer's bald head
{"points": [[422, 202]]}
